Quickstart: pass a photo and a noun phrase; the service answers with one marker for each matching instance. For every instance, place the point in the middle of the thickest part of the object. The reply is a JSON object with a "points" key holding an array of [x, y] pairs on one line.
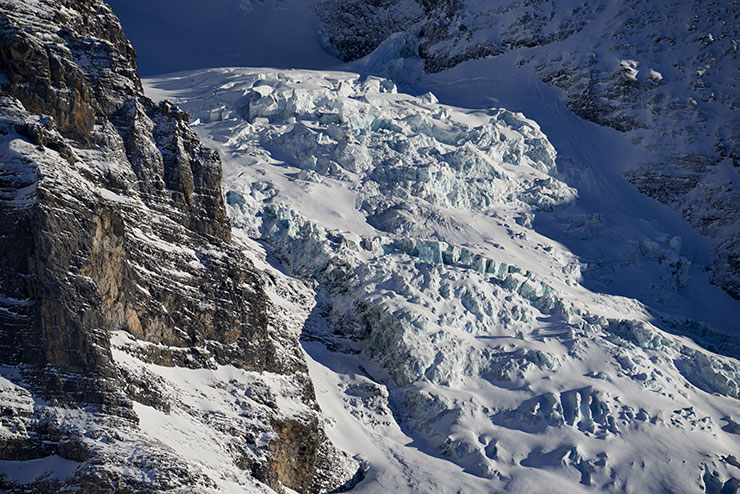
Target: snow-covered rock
{"points": [[139, 348]]}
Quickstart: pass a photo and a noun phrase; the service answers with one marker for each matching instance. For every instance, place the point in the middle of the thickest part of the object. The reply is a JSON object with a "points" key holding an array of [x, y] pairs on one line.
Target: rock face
{"points": [[661, 72], [114, 223]]}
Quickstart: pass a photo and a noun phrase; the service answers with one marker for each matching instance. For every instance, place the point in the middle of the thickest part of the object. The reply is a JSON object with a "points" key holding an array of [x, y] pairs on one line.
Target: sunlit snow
{"points": [[453, 326]]}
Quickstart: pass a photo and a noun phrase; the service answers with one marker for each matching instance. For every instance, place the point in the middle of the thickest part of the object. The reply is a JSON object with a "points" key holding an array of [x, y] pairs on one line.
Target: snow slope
{"points": [[663, 72], [624, 225], [494, 307]]}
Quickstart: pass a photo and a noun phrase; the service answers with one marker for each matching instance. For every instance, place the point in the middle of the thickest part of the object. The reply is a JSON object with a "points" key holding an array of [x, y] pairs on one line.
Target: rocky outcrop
{"points": [[113, 221], [355, 28]]}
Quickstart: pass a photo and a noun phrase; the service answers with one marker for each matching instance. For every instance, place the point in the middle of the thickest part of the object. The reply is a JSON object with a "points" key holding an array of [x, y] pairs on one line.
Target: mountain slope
{"points": [[484, 303], [189, 34], [664, 73]]}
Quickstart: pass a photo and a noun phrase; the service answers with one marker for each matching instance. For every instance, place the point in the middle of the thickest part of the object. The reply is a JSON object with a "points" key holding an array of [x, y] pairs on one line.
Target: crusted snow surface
{"points": [[454, 346]]}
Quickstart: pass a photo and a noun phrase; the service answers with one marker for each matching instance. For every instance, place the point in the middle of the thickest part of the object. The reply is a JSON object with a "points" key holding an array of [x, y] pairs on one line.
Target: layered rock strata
{"points": [[113, 222]]}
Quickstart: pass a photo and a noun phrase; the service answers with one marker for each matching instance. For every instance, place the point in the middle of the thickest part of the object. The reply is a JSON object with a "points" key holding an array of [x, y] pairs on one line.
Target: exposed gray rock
{"points": [[113, 220], [356, 28]]}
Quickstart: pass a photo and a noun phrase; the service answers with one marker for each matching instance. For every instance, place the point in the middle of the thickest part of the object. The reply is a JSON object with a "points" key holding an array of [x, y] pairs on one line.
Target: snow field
{"points": [[476, 336]]}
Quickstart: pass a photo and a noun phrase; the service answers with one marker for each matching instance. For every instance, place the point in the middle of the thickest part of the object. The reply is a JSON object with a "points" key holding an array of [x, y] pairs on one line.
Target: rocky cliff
{"points": [[113, 225]]}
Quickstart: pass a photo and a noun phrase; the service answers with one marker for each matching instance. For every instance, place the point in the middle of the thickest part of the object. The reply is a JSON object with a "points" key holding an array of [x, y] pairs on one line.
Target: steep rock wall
{"points": [[113, 220]]}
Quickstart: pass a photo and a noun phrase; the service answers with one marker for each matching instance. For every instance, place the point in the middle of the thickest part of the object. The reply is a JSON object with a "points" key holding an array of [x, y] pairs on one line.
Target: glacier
{"points": [[481, 311], [661, 73]]}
